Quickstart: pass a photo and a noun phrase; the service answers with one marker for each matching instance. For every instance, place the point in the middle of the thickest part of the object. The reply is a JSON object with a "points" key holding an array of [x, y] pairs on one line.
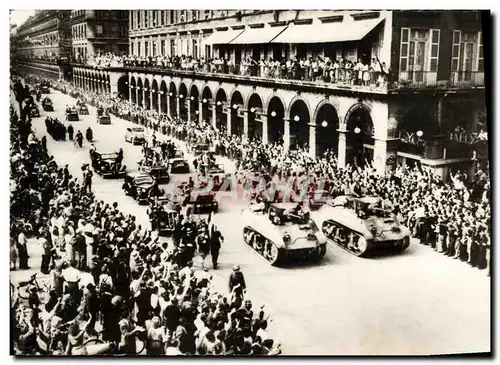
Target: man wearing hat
{"points": [[216, 240], [237, 282]]}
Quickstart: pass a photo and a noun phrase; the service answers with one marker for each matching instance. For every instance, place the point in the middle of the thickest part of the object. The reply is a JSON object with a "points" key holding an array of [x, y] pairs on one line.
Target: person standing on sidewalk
{"points": [[87, 179]]}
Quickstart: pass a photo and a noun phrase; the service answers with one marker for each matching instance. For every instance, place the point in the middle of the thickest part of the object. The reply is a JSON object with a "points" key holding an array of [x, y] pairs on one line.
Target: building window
{"points": [[154, 48], [208, 14], [172, 20], [154, 18], [434, 53], [145, 16], [467, 51], [98, 30], [194, 15], [183, 16], [480, 59], [172, 47], [163, 17], [146, 49], [162, 47], [138, 18], [131, 48], [195, 48], [419, 50], [139, 48]]}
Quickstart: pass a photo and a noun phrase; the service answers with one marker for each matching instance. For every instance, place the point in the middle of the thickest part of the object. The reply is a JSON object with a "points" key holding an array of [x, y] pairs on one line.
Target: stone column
{"points": [[265, 137], [168, 106], [286, 134], [214, 114], [178, 101], [245, 123], [200, 111], [380, 155], [189, 109], [159, 101], [228, 124], [341, 148], [312, 140]]}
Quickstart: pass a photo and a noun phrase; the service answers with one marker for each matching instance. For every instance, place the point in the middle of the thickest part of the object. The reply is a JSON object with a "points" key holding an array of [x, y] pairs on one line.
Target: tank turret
{"points": [[363, 225], [282, 232]]}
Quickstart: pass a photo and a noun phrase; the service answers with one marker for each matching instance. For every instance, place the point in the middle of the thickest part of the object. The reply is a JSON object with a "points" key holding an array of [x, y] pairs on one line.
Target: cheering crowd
{"points": [[322, 69], [114, 287]]}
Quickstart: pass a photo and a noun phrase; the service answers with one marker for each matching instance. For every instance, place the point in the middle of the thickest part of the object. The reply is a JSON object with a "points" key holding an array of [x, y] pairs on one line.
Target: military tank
{"points": [[362, 225], [280, 233]]}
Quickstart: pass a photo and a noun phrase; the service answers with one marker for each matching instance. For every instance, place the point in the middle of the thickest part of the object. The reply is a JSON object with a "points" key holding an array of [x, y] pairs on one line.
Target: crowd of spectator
{"points": [[114, 287]]}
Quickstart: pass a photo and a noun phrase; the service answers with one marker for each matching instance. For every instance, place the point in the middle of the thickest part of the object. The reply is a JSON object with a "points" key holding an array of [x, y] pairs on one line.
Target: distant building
{"points": [[98, 32]]}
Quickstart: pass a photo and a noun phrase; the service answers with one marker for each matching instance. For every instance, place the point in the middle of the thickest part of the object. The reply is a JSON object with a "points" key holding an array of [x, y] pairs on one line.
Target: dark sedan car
{"points": [[141, 187]]}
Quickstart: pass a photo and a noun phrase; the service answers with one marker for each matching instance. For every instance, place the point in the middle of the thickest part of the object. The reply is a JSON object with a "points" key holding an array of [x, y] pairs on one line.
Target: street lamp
{"points": [[296, 118], [161, 92], [235, 106], [219, 103], [197, 112], [181, 96], [252, 110], [204, 100], [357, 130], [170, 94], [145, 89], [420, 134], [273, 114], [324, 124], [192, 97]]}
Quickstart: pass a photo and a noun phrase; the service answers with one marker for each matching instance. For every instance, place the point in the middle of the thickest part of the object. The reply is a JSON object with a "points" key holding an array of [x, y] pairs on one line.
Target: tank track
{"points": [[351, 241], [262, 245], [271, 252], [354, 242]]}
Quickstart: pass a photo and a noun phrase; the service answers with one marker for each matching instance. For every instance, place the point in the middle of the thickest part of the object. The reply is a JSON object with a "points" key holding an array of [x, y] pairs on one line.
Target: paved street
{"points": [[420, 302]]}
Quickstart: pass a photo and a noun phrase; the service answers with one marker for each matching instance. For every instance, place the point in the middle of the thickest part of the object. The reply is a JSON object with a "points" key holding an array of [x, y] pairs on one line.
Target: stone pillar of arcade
{"points": [[228, 124], [312, 140], [214, 114], [189, 110], [265, 137], [245, 123], [341, 147], [380, 114], [200, 109], [178, 105], [160, 96], [286, 134]]}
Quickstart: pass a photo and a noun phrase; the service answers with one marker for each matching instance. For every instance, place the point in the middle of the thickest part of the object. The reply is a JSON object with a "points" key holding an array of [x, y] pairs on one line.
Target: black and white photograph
{"points": [[250, 183]]}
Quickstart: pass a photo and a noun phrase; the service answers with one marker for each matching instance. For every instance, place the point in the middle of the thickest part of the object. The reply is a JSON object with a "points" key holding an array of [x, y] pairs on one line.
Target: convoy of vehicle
{"points": [[279, 231]]}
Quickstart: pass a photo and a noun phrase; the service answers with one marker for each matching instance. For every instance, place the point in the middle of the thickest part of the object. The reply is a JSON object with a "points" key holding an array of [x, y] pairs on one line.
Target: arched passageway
{"points": [[122, 87], [236, 114], [359, 139], [147, 95], [220, 115], [254, 121], [139, 92], [299, 125], [172, 93], [327, 125], [194, 103], [154, 95], [275, 123], [163, 97], [207, 105], [133, 94], [182, 101]]}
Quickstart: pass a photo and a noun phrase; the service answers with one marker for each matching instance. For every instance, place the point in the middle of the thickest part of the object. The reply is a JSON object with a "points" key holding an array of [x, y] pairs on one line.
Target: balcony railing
{"points": [[349, 79], [428, 79]]}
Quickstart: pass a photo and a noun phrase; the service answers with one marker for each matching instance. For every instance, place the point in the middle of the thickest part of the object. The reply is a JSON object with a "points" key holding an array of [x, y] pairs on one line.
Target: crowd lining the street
{"points": [[112, 283]]}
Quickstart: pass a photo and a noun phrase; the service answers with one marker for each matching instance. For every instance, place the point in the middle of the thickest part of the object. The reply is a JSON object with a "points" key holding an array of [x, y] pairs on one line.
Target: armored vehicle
{"points": [[362, 225], [281, 232]]}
